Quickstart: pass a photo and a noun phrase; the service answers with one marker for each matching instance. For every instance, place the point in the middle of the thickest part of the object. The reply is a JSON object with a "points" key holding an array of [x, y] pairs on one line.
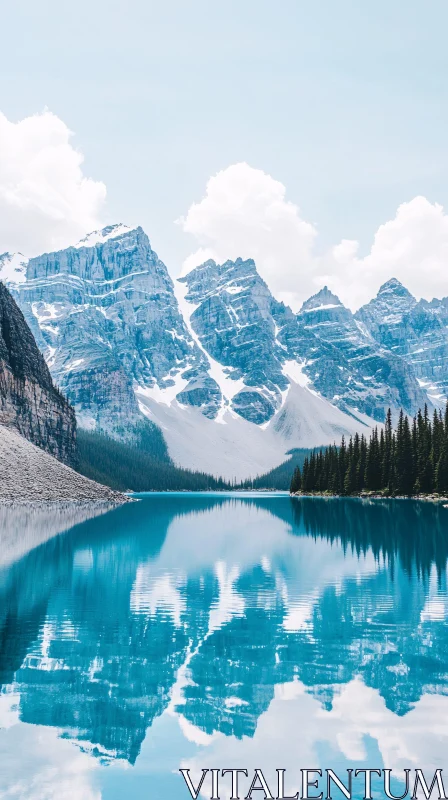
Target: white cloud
{"points": [[36, 763], [245, 213], [295, 730], [46, 202], [412, 247]]}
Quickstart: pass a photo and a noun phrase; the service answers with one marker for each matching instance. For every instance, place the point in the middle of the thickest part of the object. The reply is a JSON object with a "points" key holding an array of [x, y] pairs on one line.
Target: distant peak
{"points": [[323, 299], [241, 265], [104, 235], [246, 263], [210, 263], [394, 286]]}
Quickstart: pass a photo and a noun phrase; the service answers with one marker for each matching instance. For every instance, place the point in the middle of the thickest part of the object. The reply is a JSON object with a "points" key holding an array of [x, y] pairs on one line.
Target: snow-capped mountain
{"points": [[264, 346], [415, 330], [233, 377], [230, 311], [105, 316], [350, 368]]}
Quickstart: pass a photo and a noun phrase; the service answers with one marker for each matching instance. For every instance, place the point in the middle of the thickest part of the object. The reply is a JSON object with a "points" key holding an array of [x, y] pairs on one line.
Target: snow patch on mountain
{"points": [[165, 395], [295, 372], [103, 235], [236, 449], [308, 420], [222, 375]]}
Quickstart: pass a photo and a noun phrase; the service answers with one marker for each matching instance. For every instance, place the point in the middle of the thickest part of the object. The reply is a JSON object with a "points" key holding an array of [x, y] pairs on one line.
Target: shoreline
{"points": [[431, 498]]}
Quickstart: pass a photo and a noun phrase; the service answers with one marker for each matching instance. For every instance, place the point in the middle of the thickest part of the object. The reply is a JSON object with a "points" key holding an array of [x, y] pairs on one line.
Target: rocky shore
{"points": [[30, 475], [435, 498]]}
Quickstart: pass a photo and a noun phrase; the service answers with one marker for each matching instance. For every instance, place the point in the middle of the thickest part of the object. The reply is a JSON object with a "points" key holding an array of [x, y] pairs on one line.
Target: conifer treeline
{"points": [[411, 460]]}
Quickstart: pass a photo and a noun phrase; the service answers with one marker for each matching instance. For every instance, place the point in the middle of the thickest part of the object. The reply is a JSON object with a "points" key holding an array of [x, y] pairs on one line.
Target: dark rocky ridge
{"points": [[29, 401]]}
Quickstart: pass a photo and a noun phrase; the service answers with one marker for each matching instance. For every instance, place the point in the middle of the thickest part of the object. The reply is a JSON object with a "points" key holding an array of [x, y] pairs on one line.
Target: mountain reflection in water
{"points": [[214, 613]]}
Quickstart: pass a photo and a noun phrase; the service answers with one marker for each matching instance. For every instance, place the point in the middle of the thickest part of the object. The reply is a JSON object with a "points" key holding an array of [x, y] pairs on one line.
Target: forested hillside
{"points": [[411, 460], [147, 467], [280, 477]]}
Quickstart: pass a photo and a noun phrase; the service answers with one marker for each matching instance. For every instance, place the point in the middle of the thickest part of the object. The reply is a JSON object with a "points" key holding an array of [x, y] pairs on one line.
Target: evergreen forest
{"points": [[410, 460]]}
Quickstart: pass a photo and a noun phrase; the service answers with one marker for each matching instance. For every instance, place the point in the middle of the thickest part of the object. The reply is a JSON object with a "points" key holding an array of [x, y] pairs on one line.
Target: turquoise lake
{"points": [[223, 631]]}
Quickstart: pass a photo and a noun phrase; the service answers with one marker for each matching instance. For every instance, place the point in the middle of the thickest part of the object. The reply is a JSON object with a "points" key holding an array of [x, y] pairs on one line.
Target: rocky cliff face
{"points": [[261, 342], [415, 331], [105, 315], [350, 367], [231, 313], [29, 401]]}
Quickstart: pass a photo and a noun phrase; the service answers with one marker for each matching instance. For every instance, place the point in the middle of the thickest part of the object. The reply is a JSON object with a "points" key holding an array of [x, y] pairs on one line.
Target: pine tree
{"points": [[342, 465], [361, 468], [305, 474], [387, 453], [349, 477], [441, 476], [335, 476], [424, 472], [312, 472], [403, 457], [441, 471], [296, 481]]}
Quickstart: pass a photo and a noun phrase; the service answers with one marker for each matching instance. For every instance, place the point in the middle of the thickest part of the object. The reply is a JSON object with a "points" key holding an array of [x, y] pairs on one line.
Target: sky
{"points": [[309, 135]]}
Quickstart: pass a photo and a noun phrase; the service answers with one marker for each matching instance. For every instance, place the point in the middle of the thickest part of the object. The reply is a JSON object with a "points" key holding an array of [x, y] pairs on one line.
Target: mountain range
{"points": [[232, 377]]}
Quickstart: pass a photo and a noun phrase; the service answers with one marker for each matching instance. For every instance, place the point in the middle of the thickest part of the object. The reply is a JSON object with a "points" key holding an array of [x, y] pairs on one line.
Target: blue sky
{"points": [[344, 103]]}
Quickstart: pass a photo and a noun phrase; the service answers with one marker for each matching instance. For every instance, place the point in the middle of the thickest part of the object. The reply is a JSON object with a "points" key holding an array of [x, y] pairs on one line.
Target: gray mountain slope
{"points": [[28, 473], [233, 320], [241, 325]]}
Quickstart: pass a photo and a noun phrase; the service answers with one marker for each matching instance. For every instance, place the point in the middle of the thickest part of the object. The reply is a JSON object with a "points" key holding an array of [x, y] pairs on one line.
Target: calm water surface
{"points": [[223, 631]]}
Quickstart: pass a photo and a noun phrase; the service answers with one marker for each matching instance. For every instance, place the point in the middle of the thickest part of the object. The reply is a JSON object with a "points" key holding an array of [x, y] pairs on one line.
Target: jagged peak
{"points": [[322, 300], [192, 274], [244, 265], [395, 287], [105, 234]]}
